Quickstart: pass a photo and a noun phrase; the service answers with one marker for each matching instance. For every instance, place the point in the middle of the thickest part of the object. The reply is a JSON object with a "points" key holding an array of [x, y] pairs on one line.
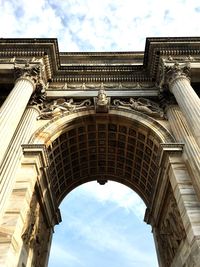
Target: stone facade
{"points": [[70, 118]]}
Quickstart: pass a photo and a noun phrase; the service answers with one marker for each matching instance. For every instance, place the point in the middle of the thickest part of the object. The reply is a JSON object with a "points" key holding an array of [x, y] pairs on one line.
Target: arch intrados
{"points": [[73, 165], [112, 178]]}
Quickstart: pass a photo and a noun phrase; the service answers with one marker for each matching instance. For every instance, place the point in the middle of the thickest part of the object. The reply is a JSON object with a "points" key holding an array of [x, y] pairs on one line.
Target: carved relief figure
{"points": [[40, 243], [171, 231], [60, 106], [102, 101], [36, 233], [31, 222], [102, 98], [143, 105]]}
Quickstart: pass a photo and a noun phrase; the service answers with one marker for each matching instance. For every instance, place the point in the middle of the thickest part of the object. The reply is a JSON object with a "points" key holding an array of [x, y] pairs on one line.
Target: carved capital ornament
{"points": [[170, 73], [34, 74], [177, 71]]}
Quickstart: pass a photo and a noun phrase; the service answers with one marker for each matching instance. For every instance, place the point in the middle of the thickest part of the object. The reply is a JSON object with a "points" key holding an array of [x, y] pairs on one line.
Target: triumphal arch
{"points": [[70, 118]]}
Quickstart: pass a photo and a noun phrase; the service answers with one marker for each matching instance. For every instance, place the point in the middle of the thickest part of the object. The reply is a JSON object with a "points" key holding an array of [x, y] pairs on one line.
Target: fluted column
{"points": [[13, 156], [183, 133], [177, 78], [12, 109]]}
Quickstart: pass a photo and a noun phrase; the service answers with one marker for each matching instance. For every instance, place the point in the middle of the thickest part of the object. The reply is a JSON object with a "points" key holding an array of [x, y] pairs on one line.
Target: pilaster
{"points": [[189, 208], [27, 224], [174, 214]]}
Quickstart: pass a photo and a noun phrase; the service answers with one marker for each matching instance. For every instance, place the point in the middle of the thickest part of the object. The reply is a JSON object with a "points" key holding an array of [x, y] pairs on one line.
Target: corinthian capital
{"points": [[177, 71], [33, 73], [170, 73]]}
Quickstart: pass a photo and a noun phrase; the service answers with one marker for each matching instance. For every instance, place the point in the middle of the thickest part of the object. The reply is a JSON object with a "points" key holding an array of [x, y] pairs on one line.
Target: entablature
{"points": [[83, 71]]}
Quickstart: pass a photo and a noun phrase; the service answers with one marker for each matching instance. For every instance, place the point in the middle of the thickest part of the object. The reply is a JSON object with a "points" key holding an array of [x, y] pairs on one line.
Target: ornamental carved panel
{"points": [[36, 234], [171, 231]]}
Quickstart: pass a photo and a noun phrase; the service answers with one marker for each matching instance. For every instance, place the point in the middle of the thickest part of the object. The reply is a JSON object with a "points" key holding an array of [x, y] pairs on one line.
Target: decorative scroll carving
{"points": [[177, 70], [166, 100], [35, 74], [102, 102], [59, 106], [28, 71], [39, 96], [168, 74], [143, 105], [171, 231]]}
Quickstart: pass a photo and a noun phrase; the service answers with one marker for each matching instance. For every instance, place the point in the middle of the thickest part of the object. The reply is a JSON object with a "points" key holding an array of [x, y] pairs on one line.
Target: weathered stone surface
{"points": [[93, 118]]}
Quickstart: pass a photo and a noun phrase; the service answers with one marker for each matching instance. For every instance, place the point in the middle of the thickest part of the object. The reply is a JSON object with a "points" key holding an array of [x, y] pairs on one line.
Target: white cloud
{"points": [[28, 19], [98, 220], [102, 220], [94, 25], [61, 257], [114, 192], [99, 25], [108, 238]]}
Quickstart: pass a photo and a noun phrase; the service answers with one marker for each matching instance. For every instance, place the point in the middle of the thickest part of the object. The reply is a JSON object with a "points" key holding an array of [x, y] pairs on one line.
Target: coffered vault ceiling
{"points": [[104, 149]]}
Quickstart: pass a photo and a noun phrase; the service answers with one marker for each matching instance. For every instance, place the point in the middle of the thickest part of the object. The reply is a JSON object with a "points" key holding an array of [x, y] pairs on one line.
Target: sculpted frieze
{"points": [[101, 103], [142, 105], [60, 106]]}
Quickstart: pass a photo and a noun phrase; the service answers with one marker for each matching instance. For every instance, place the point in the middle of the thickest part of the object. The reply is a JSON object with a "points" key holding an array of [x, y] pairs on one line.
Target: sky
{"points": [[102, 225], [99, 25]]}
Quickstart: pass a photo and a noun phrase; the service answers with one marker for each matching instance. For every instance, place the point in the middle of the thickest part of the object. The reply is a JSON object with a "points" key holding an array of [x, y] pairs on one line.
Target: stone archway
{"points": [[103, 137], [123, 146]]}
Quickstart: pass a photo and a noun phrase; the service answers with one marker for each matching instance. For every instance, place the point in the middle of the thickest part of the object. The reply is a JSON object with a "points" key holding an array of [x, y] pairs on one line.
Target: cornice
{"points": [[179, 47], [101, 58], [102, 66], [102, 75], [32, 47]]}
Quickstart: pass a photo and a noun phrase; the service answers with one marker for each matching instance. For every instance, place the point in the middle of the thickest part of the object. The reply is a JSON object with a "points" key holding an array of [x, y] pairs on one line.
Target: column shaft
{"points": [[13, 156], [189, 103], [12, 110]]}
